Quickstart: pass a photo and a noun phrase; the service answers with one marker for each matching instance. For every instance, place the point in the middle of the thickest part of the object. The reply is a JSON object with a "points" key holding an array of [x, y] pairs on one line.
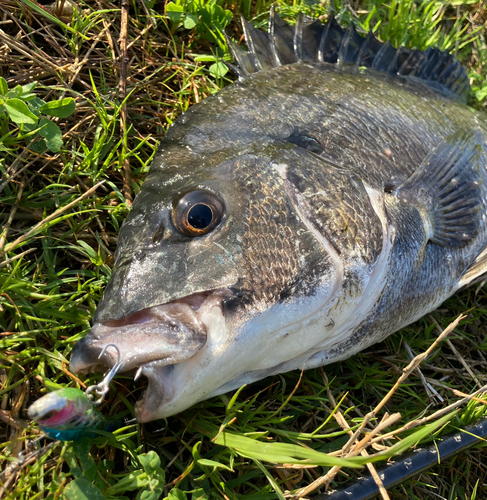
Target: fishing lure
{"points": [[70, 414]]}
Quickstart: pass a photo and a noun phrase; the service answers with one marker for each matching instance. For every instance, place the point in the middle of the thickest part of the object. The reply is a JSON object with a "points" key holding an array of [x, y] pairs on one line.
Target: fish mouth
{"points": [[150, 342]]}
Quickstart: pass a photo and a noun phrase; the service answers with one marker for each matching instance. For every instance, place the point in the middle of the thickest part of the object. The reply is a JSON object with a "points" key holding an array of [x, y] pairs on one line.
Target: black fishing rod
{"points": [[397, 472]]}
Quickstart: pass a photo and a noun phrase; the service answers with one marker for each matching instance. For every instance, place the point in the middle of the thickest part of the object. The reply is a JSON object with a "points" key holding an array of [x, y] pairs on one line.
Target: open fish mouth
{"points": [[150, 341]]}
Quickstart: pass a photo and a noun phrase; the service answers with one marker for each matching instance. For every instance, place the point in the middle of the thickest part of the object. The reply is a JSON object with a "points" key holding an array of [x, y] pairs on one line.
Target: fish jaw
{"points": [[151, 342], [174, 388], [170, 332], [240, 349]]}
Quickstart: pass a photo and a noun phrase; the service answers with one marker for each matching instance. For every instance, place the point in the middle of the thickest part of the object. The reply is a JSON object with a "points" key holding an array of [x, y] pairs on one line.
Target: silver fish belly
{"points": [[300, 215]]}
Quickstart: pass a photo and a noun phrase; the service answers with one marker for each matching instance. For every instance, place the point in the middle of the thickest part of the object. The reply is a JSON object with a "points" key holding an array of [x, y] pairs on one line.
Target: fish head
{"points": [[213, 271]]}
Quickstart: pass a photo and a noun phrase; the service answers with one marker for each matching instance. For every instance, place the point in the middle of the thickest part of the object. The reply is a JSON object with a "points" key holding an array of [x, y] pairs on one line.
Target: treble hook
{"points": [[102, 388]]}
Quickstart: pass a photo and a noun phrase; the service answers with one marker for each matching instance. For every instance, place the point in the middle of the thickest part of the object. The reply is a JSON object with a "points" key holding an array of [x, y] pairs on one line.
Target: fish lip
{"points": [[146, 325], [86, 353]]}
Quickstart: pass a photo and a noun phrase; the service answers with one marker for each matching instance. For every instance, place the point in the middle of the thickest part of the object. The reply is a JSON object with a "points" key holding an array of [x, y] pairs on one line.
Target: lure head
{"points": [[61, 410]]}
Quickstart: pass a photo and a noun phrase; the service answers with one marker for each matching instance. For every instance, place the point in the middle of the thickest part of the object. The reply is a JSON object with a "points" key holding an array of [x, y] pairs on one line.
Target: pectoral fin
{"points": [[446, 189], [476, 272]]}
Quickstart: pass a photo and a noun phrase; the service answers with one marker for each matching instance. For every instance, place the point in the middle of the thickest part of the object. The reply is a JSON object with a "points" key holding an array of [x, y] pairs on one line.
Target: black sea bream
{"points": [[332, 195]]}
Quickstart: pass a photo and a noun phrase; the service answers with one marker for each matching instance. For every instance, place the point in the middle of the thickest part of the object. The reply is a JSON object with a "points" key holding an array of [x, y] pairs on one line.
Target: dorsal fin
{"points": [[312, 40]]}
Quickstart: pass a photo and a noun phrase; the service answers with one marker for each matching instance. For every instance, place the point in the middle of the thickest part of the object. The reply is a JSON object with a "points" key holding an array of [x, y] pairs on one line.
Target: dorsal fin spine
{"points": [[298, 37], [391, 68], [380, 56], [239, 56], [342, 51], [411, 64], [310, 41], [250, 44], [365, 44], [272, 21], [321, 46], [452, 77]]}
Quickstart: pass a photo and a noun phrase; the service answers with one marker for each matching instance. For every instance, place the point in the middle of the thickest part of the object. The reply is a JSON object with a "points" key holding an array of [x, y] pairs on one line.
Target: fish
{"points": [[332, 195], [69, 415]]}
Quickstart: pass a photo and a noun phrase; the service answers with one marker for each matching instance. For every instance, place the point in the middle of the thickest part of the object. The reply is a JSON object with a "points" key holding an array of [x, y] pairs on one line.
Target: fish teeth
{"points": [[138, 373]]}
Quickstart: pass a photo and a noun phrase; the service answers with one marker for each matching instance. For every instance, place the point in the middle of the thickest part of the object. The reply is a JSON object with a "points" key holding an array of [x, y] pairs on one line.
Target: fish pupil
{"points": [[200, 216]]}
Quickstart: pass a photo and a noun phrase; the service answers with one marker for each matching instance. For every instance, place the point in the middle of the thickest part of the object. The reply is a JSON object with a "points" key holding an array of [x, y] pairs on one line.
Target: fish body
{"points": [[69, 415], [298, 216]]}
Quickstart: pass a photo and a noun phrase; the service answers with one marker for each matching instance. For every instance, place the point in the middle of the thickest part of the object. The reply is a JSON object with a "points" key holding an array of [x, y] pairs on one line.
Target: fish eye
{"points": [[197, 213]]}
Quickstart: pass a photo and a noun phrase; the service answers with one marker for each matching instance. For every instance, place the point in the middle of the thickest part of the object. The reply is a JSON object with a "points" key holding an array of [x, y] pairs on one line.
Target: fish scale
{"points": [[340, 189], [272, 262]]}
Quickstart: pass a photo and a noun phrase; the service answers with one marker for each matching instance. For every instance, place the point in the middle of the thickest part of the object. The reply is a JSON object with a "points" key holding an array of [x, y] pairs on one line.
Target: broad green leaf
{"points": [[30, 127], [481, 93], [82, 449], [153, 494], [82, 489], [190, 21], [176, 494], [151, 483], [36, 104], [39, 146], [51, 132], [150, 461], [3, 86], [61, 108], [74, 468], [28, 88], [15, 92], [157, 479], [218, 70], [199, 494], [28, 97], [19, 112], [174, 12], [132, 481]]}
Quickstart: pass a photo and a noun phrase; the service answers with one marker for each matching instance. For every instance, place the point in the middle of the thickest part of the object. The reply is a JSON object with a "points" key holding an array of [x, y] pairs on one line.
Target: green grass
{"points": [[53, 271]]}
